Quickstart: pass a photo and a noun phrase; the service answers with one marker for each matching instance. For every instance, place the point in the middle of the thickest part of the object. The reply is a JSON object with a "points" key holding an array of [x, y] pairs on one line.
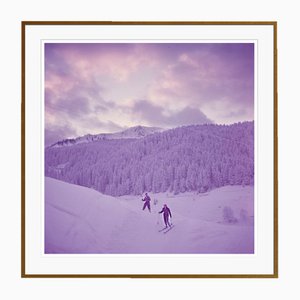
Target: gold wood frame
{"points": [[275, 145]]}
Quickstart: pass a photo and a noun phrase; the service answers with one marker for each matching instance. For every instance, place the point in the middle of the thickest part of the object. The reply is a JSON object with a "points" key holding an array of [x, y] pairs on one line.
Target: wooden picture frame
{"points": [[35, 263]]}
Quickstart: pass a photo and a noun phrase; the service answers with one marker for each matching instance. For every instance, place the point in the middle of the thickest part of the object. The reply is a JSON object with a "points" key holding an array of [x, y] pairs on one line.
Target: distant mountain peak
{"points": [[141, 131], [135, 132]]}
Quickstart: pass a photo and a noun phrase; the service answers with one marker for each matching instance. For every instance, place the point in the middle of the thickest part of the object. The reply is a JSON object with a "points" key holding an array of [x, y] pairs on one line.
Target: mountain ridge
{"points": [[129, 133]]}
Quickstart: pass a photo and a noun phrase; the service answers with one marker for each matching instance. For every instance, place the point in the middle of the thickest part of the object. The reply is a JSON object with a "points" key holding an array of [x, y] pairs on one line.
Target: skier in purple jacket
{"points": [[147, 200], [167, 214]]}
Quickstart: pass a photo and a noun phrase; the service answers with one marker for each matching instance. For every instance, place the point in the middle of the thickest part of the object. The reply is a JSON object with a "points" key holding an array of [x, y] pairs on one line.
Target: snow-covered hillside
{"points": [[130, 133], [82, 220], [183, 159]]}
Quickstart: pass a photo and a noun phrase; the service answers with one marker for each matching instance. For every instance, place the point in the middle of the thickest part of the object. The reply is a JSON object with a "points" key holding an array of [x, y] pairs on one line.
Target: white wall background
{"points": [[11, 14]]}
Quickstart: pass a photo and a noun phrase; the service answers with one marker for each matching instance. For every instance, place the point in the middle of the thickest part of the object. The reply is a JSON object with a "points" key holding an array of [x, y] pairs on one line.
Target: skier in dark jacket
{"points": [[167, 214], [147, 200]]}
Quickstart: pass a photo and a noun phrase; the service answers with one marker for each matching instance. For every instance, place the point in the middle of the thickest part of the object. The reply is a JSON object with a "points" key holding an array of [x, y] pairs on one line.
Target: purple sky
{"points": [[94, 88]]}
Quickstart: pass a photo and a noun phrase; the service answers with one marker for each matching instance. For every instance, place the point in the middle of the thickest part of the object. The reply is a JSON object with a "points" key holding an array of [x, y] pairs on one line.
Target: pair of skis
{"points": [[166, 229]]}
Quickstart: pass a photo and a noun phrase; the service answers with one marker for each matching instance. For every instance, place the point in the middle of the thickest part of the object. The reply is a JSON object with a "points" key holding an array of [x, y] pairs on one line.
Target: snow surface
{"points": [[82, 220]]}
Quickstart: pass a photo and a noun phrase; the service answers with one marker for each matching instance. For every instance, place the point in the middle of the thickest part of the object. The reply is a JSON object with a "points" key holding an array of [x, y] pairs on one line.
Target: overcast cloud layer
{"points": [[94, 88]]}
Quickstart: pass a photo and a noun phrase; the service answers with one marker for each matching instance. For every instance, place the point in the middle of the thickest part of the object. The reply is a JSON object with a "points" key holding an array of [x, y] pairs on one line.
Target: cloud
{"points": [[56, 133], [158, 116], [114, 61], [188, 116], [94, 87], [206, 76], [76, 111], [145, 110]]}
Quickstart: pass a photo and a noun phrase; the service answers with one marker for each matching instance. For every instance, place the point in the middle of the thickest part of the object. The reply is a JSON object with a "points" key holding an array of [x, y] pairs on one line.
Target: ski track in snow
{"points": [[82, 220]]}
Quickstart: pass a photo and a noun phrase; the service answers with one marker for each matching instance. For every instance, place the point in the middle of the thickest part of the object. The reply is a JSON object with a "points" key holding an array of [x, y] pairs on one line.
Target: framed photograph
{"points": [[149, 149]]}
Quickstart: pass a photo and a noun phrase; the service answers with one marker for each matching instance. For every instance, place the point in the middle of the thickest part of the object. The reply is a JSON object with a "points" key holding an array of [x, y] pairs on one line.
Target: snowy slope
{"points": [[130, 133], [183, 159], [82, 220]]}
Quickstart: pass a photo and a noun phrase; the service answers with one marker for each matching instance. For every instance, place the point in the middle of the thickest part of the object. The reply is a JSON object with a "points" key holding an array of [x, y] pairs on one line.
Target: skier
{"points": [[147, 200], [167, 214]]}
